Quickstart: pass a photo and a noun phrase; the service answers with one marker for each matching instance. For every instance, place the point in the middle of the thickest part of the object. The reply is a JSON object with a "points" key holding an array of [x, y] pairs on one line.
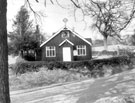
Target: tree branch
{"points": [[99, 7], [60, 4], [131, 17], [36, 15], [77, 5]]}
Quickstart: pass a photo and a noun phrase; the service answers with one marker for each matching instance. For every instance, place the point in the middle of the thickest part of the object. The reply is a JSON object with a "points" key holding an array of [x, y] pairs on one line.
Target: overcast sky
{"points": [[53, 19]]}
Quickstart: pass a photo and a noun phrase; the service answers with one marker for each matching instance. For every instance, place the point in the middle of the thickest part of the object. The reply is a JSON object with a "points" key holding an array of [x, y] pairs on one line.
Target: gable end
{"points": [[66, 39]]}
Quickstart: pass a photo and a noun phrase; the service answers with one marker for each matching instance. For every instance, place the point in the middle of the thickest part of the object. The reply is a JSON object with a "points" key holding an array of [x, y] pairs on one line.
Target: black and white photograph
{"points": [[67, 51]]}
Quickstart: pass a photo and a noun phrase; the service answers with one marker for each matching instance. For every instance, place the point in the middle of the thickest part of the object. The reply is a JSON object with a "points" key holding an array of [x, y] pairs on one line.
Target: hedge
{"points": [[94, 64]]}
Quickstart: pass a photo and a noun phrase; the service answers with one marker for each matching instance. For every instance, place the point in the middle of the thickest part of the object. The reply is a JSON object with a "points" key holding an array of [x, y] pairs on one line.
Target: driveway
{"points": [[87, 91]]}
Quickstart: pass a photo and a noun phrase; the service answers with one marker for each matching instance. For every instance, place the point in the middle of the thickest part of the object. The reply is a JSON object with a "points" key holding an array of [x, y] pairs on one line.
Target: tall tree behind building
{"points": [[25, 40], [22, 31]]}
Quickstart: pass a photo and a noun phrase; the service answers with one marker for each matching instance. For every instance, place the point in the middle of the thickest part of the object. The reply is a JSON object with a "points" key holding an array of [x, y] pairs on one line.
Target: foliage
{"points": [[25, 66], [24, 38], [35, 74], [42, 78], [84, 67], [22, 31], [40, 73]]}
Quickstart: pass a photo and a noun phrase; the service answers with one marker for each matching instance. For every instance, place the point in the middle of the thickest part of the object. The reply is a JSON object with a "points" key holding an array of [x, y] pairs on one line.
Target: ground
{"points": [[87, 91]]}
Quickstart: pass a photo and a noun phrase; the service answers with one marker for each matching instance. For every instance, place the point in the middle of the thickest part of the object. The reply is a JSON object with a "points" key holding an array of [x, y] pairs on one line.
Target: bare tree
{"points": [[110, 16]]}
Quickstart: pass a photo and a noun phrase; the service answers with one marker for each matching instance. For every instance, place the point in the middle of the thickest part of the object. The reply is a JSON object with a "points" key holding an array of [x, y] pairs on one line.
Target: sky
{"points": [[53, 17]]}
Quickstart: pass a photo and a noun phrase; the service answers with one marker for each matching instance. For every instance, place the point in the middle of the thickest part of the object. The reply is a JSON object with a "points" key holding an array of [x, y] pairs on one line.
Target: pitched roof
{"points": [[89, 39], [67, 28], [66, 41]]}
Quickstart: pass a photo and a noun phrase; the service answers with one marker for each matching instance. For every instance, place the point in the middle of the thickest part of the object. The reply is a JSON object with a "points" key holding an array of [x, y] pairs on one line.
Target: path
{"points": [[87, 91]]}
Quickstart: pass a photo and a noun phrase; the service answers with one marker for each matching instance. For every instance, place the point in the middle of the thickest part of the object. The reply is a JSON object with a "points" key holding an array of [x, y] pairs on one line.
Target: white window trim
{"points": [[50, 50], [77, 47]]}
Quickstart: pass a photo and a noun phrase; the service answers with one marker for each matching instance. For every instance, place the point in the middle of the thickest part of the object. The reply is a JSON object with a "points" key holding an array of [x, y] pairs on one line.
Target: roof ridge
{"points": [[74, 32]]}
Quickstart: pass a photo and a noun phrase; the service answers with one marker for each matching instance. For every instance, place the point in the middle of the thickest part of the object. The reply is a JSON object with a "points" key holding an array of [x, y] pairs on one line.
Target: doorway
{"points": [[66, 54]]}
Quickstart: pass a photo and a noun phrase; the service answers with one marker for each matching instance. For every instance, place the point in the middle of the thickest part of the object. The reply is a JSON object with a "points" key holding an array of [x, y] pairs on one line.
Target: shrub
{"points": [[107, 69], [23, 67], [94, 66], [115, 64], [52, 65], [42, 78], [44, 73]]}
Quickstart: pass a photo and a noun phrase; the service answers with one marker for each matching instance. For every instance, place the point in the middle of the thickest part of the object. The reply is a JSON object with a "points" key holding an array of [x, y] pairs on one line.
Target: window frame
{"points": [[50, 49], [82, 49]]}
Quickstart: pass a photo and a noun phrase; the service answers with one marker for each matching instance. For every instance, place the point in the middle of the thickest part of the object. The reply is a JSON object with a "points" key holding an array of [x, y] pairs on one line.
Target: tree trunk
{"points": [[105, 44], [4, 80]]}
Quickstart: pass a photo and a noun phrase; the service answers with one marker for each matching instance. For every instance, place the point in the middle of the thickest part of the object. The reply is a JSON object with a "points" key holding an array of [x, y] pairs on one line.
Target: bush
{"points": [[45, 73], [52, 65], [94, 66], [23, 67], [116, 64], [42, 78]]}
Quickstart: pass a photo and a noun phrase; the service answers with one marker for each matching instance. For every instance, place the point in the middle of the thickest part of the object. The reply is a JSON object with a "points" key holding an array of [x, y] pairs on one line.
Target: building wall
{"points": [[59, 56]]}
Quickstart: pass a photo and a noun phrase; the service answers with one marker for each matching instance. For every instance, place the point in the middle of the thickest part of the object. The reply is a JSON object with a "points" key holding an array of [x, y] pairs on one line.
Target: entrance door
{"points": [[66, 54]]}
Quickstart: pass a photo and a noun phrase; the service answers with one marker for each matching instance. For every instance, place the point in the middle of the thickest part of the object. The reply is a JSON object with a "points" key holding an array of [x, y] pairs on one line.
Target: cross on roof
{"points": [[65, 20]]}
